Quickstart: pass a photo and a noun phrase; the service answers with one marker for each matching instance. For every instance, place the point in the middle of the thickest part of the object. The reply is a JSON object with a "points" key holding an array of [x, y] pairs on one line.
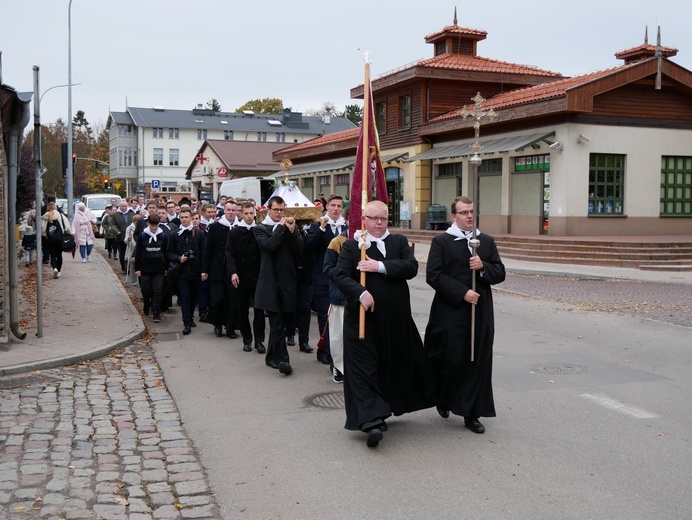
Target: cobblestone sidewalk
{"points": [[98, 440]]}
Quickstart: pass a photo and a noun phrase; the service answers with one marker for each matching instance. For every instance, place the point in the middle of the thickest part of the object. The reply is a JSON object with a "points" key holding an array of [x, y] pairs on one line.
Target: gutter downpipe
{"points": [[15, 131]]}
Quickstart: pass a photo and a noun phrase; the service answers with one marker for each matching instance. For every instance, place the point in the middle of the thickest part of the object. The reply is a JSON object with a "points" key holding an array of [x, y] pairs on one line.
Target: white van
{"points": [[97, 202], [257, 188]]}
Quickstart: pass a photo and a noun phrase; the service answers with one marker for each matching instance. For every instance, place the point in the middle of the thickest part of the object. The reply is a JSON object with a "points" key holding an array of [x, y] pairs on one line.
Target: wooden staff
{"points": [[364, 199]]}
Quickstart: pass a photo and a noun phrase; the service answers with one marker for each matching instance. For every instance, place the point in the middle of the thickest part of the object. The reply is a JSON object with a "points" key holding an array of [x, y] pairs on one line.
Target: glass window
{"points": [[343, 179], [449, 170], [173, 133], [491, 166], [228, 135], [325, 180], [201, 134], [308, 182], [404, 112], [158, 133], [676, 186], [173, 157], [381, 115], [606, 183], [158, 156]]}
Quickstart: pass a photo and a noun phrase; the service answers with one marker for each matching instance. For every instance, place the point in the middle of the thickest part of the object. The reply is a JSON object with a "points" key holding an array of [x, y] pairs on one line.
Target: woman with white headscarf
{"points": [[83, 231]]}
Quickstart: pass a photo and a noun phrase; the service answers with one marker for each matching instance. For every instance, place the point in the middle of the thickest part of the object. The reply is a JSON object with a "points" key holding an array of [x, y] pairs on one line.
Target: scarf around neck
{"points": [[152, 236], [182, 229], [460, 234], [366, 240], [246, 226], [269, 222], [224, 222]]}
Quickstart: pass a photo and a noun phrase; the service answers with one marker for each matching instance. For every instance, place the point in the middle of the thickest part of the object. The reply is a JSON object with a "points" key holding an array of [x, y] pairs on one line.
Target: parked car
{"points": [[97, 203], [62, 205]]}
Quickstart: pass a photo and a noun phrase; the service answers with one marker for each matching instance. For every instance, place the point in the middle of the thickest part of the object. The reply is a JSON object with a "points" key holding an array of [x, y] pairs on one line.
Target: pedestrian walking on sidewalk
{"points": [[29, 244], [83, 230], [131, 243], [53, 224]]}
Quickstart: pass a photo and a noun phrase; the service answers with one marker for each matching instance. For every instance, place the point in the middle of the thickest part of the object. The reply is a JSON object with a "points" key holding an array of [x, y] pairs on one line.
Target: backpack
{"points": [[54, 232]]}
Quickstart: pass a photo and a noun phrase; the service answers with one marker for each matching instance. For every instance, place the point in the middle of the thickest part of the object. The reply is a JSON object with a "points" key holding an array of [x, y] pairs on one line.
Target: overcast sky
{"points": [[178, 53]]}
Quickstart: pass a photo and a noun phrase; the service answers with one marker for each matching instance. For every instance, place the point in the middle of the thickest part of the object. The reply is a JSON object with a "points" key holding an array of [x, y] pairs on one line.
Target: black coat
{"points": [[464, 388], [388, 371], [316, 246], [215, 253], [243, 257], [180, 244], [280, 252], [121, 222]]}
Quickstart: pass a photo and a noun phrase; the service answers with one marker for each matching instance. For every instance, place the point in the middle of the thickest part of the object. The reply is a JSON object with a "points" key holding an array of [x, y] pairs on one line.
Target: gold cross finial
{"points": [[477, 113]]}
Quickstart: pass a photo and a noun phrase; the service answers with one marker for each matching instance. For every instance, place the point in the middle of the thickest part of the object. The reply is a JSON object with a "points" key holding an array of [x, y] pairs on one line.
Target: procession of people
{"points": [[237, 274]]}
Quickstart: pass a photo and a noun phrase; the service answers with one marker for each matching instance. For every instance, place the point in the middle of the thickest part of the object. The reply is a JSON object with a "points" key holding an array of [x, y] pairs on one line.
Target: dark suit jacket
{"points": [[276, 287], [316, 246], [243, 257], [215, 254], [122, 221]]}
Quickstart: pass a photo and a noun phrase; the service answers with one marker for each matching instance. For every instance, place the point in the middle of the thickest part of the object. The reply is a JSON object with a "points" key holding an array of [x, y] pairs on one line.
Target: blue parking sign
{"points": [[155, 184]]}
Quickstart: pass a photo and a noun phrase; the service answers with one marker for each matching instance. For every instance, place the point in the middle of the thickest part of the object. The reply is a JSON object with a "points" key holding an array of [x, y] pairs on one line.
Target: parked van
{"points": [[97, 203], [257, 188]]}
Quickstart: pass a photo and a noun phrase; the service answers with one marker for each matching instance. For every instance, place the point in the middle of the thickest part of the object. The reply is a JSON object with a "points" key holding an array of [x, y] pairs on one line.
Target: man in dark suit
{"points": [[123, 218], [242, 269], [281, 245], [220, 293], [320, 234]]}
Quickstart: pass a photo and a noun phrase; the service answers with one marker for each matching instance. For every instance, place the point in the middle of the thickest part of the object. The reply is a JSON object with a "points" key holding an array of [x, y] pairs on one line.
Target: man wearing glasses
{"points": [[464, 387], [281, 246], [387, 372]]}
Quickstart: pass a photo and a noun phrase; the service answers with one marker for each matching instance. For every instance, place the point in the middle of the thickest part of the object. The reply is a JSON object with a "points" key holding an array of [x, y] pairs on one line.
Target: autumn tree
{"points": [[327, 109], [263, 106], [353, 113], [214, 105], [26, 178]]}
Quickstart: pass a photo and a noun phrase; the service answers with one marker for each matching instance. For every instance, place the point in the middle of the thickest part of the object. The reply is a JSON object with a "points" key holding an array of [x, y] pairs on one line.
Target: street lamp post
{"points": [[70, 168]]}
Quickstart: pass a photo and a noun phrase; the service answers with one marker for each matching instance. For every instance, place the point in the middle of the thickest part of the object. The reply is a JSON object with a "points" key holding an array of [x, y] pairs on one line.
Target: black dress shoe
{"points": [[271, 364], [473, 424], [203, 317], [260, 347], [291, 341], [146, 309], [193, 324], [304, 347], [231, 334], [443, 413], [323, 357], [285, 368], [186, 330], [218, 331], [247, 347], [374, 437]]}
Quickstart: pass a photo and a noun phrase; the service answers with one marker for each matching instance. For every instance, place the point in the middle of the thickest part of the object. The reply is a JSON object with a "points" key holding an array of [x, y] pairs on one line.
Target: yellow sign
{"points": [[117, 185]]}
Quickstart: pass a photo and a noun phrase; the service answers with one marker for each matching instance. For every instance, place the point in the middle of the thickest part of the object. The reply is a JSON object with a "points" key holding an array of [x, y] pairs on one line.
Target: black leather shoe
{"points": [[186, 330], [218, 331], [285, 368], [304, 347], [291, 341], [374, 437], [157, 317], [271, 364], [203, 317], [323, 357], [247, 347], [260, 348], [193, 324], [443, 413], [146, 309], [473, 424], [231, 334]]}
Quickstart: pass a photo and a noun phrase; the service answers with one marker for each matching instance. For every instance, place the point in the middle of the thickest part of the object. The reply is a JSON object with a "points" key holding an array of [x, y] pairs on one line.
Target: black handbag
{"points": [[67, 242]]}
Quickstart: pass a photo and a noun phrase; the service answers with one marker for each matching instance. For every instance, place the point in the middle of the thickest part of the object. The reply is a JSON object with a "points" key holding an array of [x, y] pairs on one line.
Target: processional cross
{"points": [[477, 113]]}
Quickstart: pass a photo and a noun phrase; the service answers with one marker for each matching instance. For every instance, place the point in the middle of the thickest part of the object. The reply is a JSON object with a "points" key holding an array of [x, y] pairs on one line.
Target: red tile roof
{"points": [[475, 34], [336, 137], [481, 64], [646, 49], [545, 91]]}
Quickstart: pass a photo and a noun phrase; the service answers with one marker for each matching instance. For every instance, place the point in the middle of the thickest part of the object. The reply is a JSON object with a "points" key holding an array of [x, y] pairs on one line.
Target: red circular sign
{"points": [[222, 172]]}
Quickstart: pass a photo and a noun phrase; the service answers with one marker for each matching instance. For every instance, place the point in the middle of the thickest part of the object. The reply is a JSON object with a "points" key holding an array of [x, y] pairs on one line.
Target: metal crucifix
{"points": [[477, 113]]}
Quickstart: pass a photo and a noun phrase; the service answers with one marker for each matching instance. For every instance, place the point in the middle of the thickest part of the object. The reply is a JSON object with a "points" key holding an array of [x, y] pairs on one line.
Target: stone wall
{"points": [[4, 275]]}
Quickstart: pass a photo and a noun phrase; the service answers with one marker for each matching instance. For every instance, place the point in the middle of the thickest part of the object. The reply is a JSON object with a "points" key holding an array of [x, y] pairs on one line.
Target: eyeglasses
{"points": [[465, 212], [278, 210], [379, 220]]}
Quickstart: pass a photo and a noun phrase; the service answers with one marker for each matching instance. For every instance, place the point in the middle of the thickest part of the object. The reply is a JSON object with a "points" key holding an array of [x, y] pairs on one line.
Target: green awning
{"points": [[504, 144]]}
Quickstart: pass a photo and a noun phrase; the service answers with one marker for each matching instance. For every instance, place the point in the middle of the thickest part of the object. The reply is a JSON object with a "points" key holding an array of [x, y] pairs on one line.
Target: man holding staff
{"points": [[464, 383]]}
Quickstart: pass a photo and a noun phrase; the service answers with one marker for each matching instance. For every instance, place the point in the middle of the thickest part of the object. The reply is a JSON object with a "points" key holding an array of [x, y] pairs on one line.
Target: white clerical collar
{"points": [[242, 223], [460, 234], [269, 222], [224, 221], [152, 236], [366, 240], [182, 229]]}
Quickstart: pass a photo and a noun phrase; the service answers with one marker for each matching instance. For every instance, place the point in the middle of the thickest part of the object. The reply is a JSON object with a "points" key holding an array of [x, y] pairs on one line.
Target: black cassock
{"points": [[387, 372], [464, 388]]}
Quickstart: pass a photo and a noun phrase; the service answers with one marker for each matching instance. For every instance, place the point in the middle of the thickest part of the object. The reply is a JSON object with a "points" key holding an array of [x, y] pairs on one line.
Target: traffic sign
{"points": [[105, 171], [222, 172], [156, 184]]}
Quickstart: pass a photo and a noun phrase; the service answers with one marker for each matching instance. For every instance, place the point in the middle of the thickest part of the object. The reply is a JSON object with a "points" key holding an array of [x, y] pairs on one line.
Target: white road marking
{"points": [[619, 406]]}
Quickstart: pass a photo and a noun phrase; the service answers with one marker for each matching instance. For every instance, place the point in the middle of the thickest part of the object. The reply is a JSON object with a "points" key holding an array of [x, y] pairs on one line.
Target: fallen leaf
{"points": [[19, 508], [179, 506], [123, 501], [551, 382]]}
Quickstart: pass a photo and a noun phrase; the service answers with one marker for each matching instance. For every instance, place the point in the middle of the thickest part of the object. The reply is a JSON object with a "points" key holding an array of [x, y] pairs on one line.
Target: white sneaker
{"points": [[58, 274], [55, 273], [83, 260], [89, 258]]}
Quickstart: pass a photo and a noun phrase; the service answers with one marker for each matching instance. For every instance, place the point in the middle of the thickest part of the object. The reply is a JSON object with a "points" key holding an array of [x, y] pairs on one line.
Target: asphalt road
{"points": [[591, 421]]}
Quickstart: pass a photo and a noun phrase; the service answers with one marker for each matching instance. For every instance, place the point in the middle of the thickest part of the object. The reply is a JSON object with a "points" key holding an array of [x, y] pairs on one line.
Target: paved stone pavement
{"points": [[101, 439]]}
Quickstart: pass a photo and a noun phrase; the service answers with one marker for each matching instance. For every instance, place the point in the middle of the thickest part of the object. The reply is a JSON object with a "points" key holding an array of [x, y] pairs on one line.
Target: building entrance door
{"points": [[395, 192]]}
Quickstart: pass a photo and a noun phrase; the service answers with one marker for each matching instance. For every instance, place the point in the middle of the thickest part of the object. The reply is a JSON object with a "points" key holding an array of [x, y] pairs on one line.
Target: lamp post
{"points": [[70, 167]]}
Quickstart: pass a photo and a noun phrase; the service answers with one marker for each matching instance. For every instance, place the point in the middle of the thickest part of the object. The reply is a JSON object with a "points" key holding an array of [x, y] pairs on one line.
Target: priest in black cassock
{"points": [[464, 387], [387, 372]]}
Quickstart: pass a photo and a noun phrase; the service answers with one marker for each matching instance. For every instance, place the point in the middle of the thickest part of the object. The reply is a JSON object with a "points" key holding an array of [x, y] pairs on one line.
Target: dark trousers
{"points": [[301, 318], [45, 251], [276, 348], [152, 289], [110, 246], [202, 297], [244, 300], [222, 303], [55, 251], [187, 291], [122, 249], [321, 298]]}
